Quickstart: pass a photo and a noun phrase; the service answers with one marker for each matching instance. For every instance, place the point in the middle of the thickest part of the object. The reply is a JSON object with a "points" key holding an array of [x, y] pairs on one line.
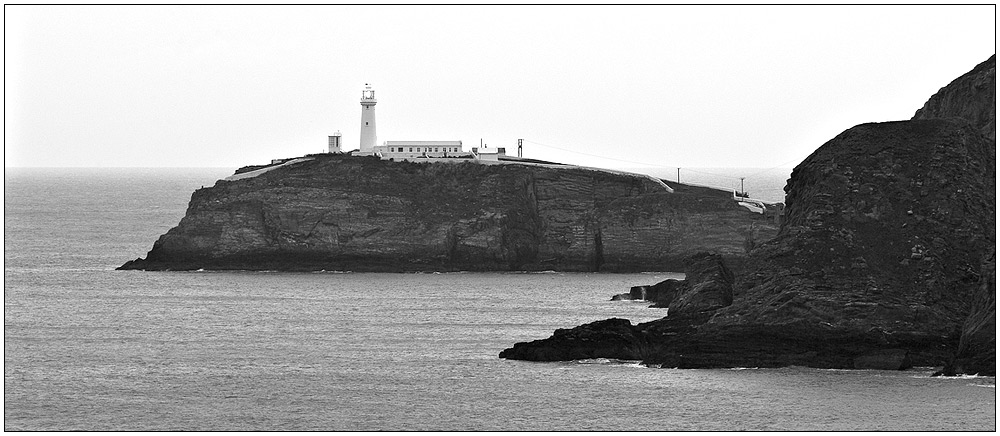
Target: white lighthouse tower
{"points": [[367, 120]]}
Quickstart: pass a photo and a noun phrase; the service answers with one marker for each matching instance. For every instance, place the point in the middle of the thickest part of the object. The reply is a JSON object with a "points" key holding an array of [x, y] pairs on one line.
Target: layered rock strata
{"points": [[337, 212]]}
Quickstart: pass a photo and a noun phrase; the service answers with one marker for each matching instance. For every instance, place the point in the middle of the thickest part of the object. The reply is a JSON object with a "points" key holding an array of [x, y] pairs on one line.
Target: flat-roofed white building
{"points": [[419, 149], [334, 143], [491, 154]]}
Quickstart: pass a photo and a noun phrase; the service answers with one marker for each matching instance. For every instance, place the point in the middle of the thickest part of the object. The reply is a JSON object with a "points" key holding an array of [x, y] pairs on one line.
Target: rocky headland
{"points": [[345, 213], [884, 260]]}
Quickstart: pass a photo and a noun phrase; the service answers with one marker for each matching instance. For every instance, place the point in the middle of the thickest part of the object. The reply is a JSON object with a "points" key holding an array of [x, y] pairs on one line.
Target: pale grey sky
{"points": [[691, 86]]}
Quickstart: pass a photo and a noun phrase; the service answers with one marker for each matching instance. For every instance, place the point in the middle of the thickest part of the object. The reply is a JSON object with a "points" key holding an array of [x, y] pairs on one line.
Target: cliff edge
{"points": [[971, 97]]}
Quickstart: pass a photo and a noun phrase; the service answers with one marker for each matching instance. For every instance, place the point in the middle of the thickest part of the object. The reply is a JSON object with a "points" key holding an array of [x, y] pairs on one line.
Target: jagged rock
{"points": [[610, 338], [620, 297], [339, 212], [709, 286], [663, 294]]}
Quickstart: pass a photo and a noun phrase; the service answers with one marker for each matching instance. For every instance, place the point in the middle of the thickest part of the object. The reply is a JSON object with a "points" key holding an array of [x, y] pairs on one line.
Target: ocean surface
{"points": [[90, 348], [766, 184]]}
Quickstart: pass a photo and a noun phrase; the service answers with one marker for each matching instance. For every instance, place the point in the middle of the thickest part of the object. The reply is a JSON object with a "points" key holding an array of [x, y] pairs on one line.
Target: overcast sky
{"points": [[665, 86]]}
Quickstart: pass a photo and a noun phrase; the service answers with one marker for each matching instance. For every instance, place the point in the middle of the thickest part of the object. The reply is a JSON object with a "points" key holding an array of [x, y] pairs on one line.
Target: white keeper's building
{"points": [[415, 149]]}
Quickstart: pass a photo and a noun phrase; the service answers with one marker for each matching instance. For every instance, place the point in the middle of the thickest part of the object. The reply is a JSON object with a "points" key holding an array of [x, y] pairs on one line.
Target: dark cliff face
{"points": [[886, 228], [363, 214], [878, 263], [977, 346], [971, 97]]}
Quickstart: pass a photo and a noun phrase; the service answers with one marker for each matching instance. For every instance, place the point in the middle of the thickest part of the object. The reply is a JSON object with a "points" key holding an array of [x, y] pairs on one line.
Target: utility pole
{"points": [[678, 174]]}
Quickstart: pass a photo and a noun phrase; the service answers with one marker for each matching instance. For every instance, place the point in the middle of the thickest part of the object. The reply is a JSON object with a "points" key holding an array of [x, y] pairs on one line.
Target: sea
{"points": [[767, 184], [90, 348]]}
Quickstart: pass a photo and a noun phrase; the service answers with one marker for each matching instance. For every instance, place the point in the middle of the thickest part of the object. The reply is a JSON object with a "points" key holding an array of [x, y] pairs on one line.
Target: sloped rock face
{"points": [[971, 97], [363, 214]]}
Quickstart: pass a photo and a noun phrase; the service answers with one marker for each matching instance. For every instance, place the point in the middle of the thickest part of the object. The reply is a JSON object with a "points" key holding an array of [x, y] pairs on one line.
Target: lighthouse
{"points": [[367, 120]]}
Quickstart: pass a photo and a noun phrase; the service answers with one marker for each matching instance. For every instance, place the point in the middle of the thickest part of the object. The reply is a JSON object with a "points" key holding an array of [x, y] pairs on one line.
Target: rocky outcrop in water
{"points": [[337, 212], [876, 265], [661, 294], [708, 285], [611, 338]]}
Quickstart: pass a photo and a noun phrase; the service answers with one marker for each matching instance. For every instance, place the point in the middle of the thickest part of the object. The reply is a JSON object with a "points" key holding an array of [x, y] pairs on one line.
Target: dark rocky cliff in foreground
{"points": [[879, 263], [338, 212]]}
